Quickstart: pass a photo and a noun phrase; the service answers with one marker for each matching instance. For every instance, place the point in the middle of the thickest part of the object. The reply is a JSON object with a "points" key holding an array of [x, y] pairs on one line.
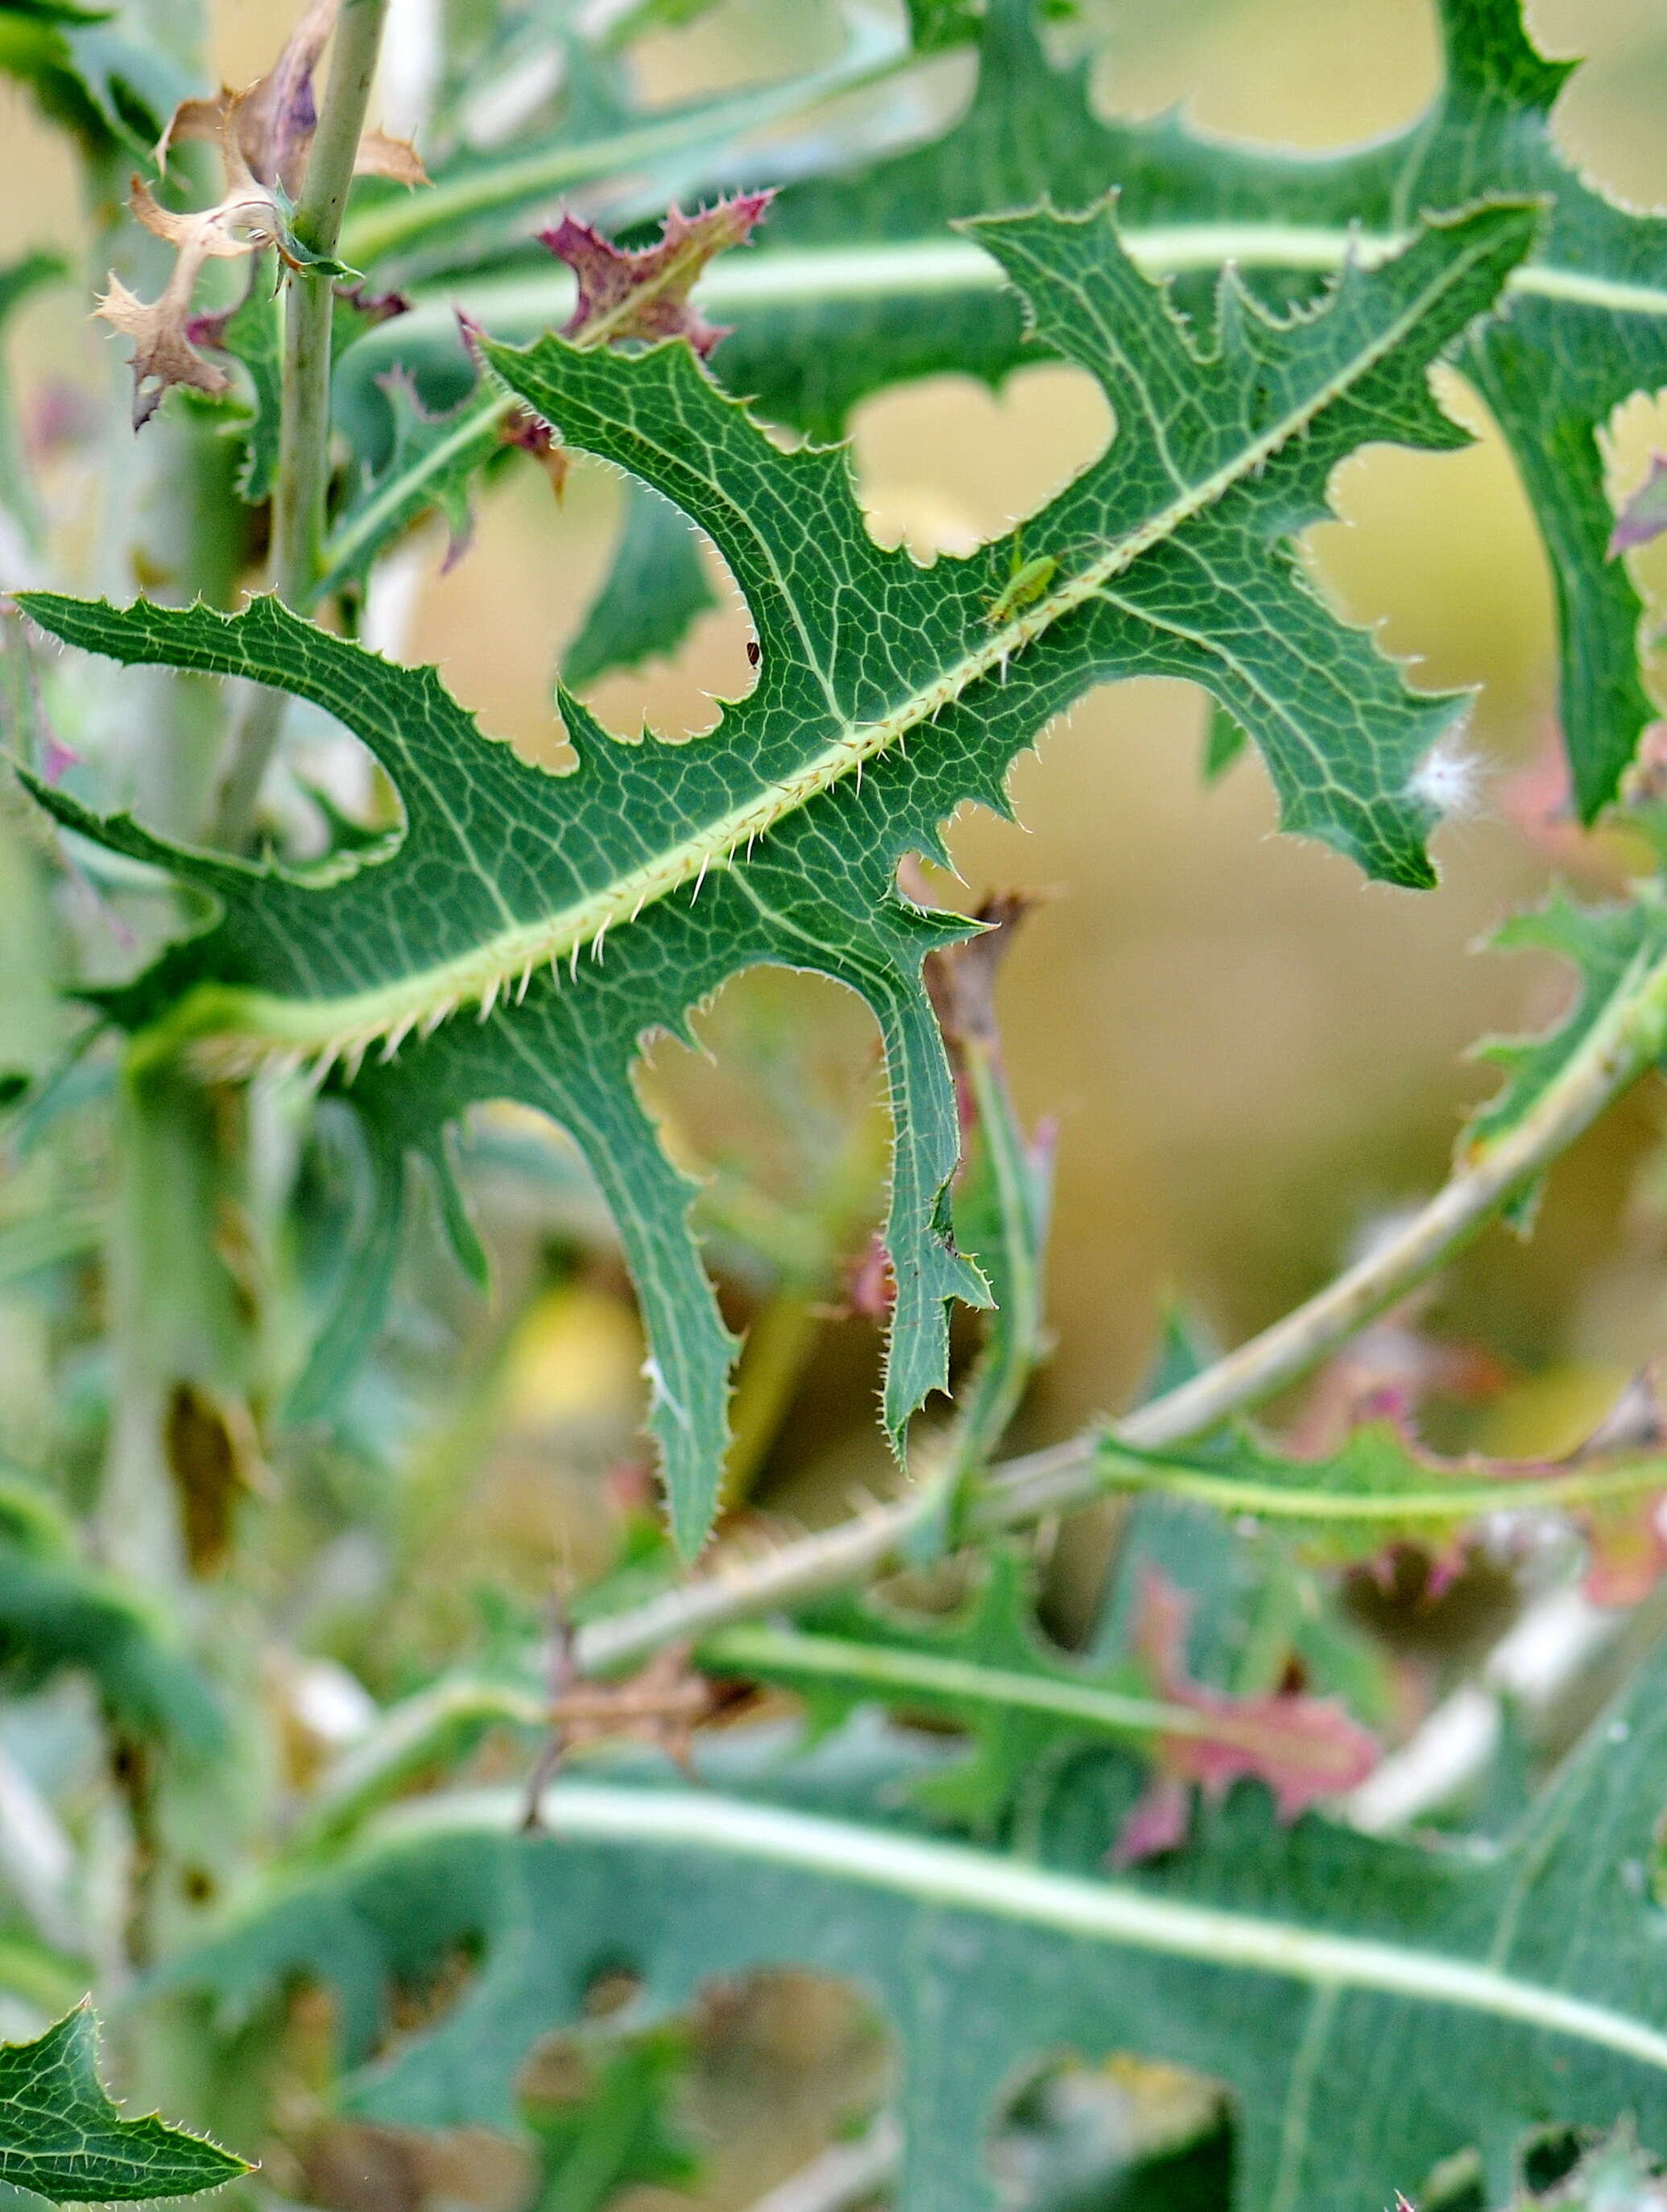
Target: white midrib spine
{"points": [[246, 1027], [960, 1879], [516, 307]]}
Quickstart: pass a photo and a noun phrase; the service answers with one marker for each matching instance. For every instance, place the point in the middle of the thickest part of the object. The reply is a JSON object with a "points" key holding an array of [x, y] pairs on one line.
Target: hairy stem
{"points": [[303, 471], [1627, 1039]]}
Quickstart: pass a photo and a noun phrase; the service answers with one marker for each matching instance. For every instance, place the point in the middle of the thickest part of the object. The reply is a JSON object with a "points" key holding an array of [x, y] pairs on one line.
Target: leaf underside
{"points": [[537, 926], [1463, 1995]]}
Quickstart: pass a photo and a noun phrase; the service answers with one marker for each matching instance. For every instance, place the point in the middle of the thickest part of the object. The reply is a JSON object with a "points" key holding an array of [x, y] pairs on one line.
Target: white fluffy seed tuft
{"points": [[1450, 778]]}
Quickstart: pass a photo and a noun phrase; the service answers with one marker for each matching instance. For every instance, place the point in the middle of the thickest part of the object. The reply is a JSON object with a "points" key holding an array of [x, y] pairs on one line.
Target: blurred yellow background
{"points": [[1252, 1053]]}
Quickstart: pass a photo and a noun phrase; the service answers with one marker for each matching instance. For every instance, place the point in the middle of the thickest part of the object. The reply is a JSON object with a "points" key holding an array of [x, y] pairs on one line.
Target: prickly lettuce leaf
{"points": [[1465, 1995], [1612, 948], [1588, 325], [61, 2136], [861, 284], [625, 155], [987, 1669], [531, 929]]}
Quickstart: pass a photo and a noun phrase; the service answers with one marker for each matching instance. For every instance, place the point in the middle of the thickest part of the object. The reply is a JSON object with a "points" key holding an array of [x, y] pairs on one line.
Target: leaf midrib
{"points": [[955, 1876], [1443, 1502], [344, 1027], [521, 307], [809, 1656]]}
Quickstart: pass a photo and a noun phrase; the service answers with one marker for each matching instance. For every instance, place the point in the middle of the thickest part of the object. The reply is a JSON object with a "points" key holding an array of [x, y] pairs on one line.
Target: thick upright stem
{"points": [[303, 471]]}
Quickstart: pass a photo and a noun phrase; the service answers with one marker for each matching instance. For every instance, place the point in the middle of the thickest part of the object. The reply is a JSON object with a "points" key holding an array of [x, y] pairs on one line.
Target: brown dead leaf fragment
{"points": [[661, 1705], [271, 123], [262, 134], [642, 292], [163, 355], [1304, 1748], [214, 1458]]}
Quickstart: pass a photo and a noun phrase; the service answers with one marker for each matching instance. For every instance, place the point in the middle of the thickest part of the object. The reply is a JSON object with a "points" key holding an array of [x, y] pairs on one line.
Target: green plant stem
{"points": [[303, 471], [1627, 1039], [794, 1655]]}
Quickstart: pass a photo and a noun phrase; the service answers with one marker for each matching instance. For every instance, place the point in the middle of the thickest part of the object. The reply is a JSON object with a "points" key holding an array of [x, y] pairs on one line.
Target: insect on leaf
{"points": [[531, 929]]}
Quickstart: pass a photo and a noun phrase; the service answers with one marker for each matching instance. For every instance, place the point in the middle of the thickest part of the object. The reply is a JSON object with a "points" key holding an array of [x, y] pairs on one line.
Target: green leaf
{"points": [[887, 696], [1609, 947], [113, 91], [18, 280], [618, 2135], [654, 593], [1223, 743], [936, 24], [1614, 2174], [1588, 327], [859, 284], [603, 134], [57, 1612], [61, 2135], [1462, 1995], [1612, 949], [986, 1669], [253, 335], [1380, 1488], [1003, 1198], [631, 294], [431, 462]]}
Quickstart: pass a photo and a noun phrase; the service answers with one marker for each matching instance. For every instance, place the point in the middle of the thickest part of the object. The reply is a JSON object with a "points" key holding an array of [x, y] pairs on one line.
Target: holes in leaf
{"points": [[1306, 74], [355, 2165], [781, 1114], [1607, 121], [1129, 2132], [763, 2074], [422, 1995], [667, 619], [945, 465], [613, 1988], [785, 2065], [1440, 550]]}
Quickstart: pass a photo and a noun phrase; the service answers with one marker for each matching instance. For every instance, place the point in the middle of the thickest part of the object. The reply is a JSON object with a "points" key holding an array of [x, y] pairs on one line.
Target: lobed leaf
{"points": [[861, 284], [57, 1614], [61, 2135], [1464, 1996], [986, 1669], [1380, 1489], [1615, 951], [887, 696]]}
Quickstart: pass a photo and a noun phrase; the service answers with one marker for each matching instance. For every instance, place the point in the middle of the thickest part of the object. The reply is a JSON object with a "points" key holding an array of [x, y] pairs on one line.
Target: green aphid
{"points": [[1025, 585]]}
